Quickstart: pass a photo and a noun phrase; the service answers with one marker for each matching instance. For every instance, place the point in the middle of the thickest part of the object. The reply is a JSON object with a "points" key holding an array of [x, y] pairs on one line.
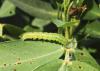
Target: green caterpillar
{"points": [[44, 36]]}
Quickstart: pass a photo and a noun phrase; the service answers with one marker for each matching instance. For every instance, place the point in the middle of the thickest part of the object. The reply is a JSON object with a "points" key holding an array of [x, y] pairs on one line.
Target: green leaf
{"points": [[76, 66], [93, 29], [29, 28], [27, 55], [78, 2], [63, 67], [36, 8], [40, 23], [84, 56], [50, 66], [93, 11], [60, 23], [7, 9], [81, 66]]}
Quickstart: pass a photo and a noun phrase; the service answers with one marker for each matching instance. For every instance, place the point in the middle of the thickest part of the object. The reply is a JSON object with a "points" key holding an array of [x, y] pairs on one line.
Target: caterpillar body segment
{"points": [[44, 36]]}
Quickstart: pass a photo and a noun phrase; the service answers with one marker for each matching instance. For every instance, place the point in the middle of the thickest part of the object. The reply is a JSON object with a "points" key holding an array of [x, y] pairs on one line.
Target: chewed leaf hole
{"points": [[5, 65], [14, 70], [10, 12], [81, 53], [19, 63], [18, 59], [80, 67]]}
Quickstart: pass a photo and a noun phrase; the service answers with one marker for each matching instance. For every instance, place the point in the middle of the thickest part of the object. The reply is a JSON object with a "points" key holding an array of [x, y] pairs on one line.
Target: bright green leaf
{"points": [[60, 23], [7, 9], [40, 23], [63, 67], [81, 66], [76, 66], [84, 56], [27, 55], [50, 66]]}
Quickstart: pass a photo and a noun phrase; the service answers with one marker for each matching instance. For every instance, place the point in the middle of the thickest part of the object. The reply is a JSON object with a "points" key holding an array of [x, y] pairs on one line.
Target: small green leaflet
{"points": [[60, 23]]}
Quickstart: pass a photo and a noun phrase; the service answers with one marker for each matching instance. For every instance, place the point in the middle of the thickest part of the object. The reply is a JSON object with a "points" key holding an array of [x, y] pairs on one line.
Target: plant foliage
{"points": [[49, 35]]}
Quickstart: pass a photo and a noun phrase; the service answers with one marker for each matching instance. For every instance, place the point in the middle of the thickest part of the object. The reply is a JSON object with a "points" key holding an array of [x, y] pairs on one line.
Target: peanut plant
{"points": [[49, 35]]}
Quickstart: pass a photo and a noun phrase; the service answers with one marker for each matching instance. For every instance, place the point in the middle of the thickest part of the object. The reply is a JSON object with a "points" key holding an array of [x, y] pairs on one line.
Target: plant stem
{"points": [[66, 3], [69, 10], [68, 30], [66, 34]]}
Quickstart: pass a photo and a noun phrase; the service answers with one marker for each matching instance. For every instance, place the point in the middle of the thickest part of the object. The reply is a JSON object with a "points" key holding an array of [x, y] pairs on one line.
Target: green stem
{"points": [[66, 34], [68, 10], [70, 28], [67, 56], [66, 3], [71, 32], [64, 19]]}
